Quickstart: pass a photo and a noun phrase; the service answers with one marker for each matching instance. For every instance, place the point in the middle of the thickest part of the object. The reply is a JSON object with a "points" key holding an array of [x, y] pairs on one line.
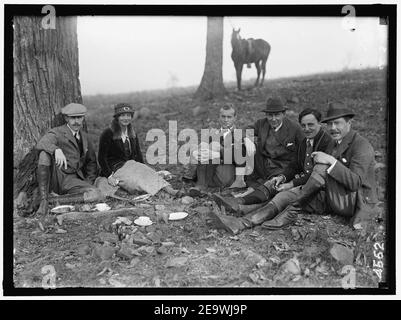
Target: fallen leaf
{"points": [[177, 262], [61, 231], [211, 250]]}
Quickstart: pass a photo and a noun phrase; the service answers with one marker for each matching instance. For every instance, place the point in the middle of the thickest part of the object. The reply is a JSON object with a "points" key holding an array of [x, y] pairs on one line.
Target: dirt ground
{"points": [[98, 249]]}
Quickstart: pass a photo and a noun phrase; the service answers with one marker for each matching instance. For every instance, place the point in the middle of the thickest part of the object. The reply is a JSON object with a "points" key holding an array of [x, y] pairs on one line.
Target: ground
{"points": [[89, 249]]}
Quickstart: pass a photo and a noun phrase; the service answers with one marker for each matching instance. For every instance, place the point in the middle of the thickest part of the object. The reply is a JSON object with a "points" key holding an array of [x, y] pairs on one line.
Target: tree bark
{"points": [[46, 77], [212, 85]]}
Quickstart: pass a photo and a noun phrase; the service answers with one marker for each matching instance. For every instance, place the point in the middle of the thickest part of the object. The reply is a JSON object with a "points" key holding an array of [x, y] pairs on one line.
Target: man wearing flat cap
{"points": [[67, 160], [277, 138], [342, 181]]}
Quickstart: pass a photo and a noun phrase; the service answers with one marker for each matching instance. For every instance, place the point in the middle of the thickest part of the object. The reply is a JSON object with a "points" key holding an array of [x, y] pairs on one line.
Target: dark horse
{"points": [[249, 51]]}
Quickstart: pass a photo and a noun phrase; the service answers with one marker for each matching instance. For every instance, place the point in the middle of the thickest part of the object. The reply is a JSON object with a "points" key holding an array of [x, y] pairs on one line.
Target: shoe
{"points": [[231, 224], [43, 176], [284, 219], [266, 212], [231, 204], [195, 192]]}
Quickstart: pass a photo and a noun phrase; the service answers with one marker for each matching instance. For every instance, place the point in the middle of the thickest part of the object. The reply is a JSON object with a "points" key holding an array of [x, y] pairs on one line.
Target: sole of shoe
{"points": [[221, 203], [219, 224]]}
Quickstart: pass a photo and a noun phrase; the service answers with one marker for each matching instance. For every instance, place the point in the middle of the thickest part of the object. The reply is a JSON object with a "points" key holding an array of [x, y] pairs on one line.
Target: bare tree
{"points": [[212, 85], [46, 78]]}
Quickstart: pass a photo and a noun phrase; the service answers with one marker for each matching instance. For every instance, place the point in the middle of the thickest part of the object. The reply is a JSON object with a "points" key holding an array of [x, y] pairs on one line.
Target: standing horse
{"points": [[249, 51]]}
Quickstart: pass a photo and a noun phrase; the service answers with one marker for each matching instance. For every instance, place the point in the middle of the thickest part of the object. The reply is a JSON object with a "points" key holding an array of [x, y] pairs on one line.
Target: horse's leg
{"points": [[263, 72], [257, 65], [238, 69]]}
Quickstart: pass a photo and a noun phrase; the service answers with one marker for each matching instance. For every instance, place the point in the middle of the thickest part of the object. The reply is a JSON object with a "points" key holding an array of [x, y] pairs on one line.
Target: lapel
{"points": [[84, 138], [317, 139], [343, 146], [282, 134], [69, 136]]}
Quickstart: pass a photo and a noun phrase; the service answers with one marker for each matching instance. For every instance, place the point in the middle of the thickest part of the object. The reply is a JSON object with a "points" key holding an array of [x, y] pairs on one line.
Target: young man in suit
{"points": [[277, 141], [227, 173], [342, 181], [67, 161]]}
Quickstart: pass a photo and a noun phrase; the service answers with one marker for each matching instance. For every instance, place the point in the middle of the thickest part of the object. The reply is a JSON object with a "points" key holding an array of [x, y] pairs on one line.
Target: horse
{"points": [[249, 51]]}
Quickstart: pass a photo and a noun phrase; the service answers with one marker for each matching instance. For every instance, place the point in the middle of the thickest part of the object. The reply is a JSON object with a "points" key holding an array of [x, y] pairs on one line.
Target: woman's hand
{"points": [[113, 181]]}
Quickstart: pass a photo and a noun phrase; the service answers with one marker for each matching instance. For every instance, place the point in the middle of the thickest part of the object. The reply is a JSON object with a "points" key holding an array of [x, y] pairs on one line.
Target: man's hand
{"points": [[285, 186], [113, 181], [323, 158], [276, 181], [60, 158], [249, 146]]}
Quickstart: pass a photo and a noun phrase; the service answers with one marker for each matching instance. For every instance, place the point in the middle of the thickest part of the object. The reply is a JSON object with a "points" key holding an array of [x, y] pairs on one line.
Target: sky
{"points": [[134, 53]]}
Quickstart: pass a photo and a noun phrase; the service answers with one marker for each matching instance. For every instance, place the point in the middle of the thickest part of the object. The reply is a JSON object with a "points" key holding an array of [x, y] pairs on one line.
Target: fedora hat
{"points": [[274, 105], [121, 108], [337, 110]]}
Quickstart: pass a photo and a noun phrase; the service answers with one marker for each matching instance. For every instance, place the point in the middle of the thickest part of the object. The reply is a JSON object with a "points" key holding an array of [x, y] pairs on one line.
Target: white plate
{"points": [[143, 221], [62, 209], [142, 197], [177, 215]]}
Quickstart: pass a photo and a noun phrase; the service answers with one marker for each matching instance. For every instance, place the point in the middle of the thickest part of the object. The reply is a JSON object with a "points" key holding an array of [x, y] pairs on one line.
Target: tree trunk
{"points": [[46, 77], [212, 85]]}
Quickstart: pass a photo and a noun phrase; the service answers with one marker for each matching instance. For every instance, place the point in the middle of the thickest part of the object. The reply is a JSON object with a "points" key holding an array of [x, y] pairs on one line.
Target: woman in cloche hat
{"points": [[120, 157]]}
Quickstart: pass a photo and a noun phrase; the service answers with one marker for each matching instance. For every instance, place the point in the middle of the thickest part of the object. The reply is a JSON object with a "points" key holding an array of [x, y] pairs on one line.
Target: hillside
{"points": [[190, 252]]}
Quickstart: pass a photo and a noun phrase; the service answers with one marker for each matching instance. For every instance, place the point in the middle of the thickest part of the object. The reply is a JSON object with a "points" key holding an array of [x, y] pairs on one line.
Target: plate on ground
{"points": [[143, 221], [177, 215], [142, 197], [62, 209]]}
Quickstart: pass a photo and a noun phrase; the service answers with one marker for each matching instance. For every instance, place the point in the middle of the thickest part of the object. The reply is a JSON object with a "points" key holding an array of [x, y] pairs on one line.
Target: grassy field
{"points": [[190, 252]]}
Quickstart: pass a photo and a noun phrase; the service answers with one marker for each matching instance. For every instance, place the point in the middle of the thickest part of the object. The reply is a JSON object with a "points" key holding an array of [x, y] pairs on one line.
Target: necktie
{"points": [[78, 142], [308, 165]]}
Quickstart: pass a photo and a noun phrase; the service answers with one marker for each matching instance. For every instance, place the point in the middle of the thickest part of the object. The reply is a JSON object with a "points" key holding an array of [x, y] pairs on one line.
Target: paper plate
{"points": [[62, 209], [143, 221], [177, 215], [142, 197]]}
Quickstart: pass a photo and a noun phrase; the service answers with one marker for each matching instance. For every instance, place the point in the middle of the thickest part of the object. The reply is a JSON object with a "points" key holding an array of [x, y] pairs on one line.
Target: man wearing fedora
{"points": [[342, 181], [67, 160], [277, 138]]}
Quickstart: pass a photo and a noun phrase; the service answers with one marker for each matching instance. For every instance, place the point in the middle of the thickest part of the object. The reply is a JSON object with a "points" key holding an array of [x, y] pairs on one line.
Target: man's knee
{"points": [[45, 159]]}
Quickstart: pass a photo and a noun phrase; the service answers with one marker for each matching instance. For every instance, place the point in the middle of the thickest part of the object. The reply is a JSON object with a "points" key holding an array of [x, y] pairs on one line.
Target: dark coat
{"points": [[111, 152], [355, 166], [289, 136], [296, 167], [84, 165]]}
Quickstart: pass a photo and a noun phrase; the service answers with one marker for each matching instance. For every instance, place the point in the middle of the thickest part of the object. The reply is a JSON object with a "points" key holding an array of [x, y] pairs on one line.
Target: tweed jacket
{"points": [[295, 170], [289, 136], [354, 168], [85, 165], [111, 152]]}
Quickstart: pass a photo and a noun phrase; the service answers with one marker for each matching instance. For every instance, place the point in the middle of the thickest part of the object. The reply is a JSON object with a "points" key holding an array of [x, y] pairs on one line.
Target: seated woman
{"points": [[120, 158]]}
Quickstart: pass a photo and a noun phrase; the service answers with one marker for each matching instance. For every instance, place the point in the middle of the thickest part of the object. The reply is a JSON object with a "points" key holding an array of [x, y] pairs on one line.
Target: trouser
{"points": [[262, 171], [330, 197], [63, 183], [215, 175]]}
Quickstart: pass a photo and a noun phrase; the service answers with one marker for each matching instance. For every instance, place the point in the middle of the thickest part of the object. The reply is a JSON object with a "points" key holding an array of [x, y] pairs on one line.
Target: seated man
{"points": [[277, 141], [342, 181], [296, 173], [67, 161], [224, 174]]}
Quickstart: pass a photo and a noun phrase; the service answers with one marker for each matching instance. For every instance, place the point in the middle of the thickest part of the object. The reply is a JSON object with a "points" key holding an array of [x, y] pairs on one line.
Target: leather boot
{"points": [[67, 199], [231, 224], [308, 189], [247, 208], [286, 218], [43, 177], [231, 204], [266, 212]]}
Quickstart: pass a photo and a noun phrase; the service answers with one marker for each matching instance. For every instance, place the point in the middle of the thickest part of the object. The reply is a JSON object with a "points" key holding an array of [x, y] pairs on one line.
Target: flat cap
{"points": [[74, 109]]}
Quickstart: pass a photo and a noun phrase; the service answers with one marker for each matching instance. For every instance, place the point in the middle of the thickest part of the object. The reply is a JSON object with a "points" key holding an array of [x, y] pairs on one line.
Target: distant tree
{"points": [[212, 85], [46, 78]]}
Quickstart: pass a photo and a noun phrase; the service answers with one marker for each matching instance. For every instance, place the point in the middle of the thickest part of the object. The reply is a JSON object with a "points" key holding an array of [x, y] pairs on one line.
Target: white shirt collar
{"points": [[124, 135], [278, 128], [74, 132], [311, 141]]}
